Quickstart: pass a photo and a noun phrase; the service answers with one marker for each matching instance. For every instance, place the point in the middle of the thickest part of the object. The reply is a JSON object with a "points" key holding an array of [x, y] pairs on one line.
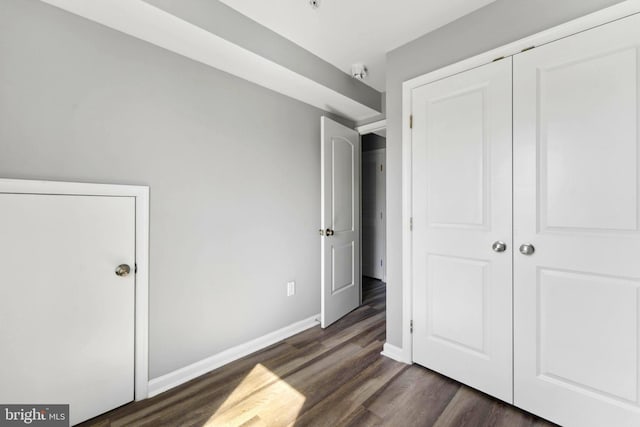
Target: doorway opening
{"points": [[373, 201]]}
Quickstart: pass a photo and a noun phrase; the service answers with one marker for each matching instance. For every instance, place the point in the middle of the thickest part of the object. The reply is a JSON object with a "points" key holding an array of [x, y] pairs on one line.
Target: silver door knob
{"points": [[123, 270], [499, 246], [328, 232], [527, 249]]}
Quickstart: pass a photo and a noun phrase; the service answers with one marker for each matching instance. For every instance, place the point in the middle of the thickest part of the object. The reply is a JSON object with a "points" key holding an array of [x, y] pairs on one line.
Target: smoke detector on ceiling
{"points": [[359, 71], [314, 3]]}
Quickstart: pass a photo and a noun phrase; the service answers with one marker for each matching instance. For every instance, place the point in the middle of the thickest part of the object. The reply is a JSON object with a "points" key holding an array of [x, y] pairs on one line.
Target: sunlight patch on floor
{"points": [[276, 404]]}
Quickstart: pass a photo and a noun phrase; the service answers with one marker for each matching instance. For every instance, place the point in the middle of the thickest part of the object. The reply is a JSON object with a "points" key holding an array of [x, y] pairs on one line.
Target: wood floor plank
{"points": [[374, 333], [342, 331], [334, 410], [349, 333], [468, 408], [417, 397], [323, 377], [504, 415], [254, 422], [361, 417]]}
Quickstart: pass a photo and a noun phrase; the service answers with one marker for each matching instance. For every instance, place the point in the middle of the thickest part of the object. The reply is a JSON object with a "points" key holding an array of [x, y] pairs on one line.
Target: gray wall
{"points": [[234, 171], [497, 24]]}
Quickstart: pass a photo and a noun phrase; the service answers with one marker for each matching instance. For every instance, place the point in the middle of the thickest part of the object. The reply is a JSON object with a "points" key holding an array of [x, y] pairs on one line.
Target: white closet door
{"points": [[461, 206], [576, 177], [66, 318]]}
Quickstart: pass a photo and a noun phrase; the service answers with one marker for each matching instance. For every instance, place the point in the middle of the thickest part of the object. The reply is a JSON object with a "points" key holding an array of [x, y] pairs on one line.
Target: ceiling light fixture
{"points": [[359, 71], [314, 3]]}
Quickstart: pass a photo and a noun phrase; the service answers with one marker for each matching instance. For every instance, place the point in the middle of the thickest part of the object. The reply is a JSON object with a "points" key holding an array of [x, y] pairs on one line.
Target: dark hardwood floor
{"points": [[330, 377]]}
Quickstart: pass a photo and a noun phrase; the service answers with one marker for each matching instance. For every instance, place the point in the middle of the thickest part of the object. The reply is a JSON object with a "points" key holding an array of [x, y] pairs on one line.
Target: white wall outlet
{"points": [[291, 288]]}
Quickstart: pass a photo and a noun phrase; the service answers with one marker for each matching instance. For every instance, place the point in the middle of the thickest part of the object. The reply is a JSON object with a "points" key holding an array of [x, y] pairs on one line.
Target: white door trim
{"points": [[372, 127], [618, 11], [141, 194]]}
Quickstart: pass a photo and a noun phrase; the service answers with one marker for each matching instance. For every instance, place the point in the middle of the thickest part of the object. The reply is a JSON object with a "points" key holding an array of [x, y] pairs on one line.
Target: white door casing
{"points": [[461, 184], [373, 213], [577, 201], [67, 320], [340, 214]]}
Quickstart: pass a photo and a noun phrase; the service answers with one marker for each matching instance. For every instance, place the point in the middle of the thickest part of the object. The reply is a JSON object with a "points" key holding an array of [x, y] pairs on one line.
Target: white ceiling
{"points": [[343, 32]]}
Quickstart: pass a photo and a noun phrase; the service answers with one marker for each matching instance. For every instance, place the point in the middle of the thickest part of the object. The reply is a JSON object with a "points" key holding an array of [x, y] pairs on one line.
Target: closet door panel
{"points": [[461, 206], [576, 197]]}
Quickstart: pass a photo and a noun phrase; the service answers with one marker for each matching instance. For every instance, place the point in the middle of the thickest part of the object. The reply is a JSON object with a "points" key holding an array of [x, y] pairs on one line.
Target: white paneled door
{"points": [[462, 247], [340, 221], [66, 317], [577, 199]]}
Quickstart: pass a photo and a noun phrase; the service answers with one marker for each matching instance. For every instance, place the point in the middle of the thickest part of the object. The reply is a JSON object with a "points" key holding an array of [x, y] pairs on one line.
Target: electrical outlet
{"points": [[291, 289]]}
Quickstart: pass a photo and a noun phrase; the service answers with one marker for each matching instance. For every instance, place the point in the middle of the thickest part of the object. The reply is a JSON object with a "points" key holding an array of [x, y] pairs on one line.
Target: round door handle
{"points": [[329, 232], [123, 270], [499, 246], [527, 249]]}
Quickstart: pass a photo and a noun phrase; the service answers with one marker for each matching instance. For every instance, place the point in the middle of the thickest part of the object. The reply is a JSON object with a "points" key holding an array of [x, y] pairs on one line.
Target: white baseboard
{"points": [[395, 353], [182, 375]]}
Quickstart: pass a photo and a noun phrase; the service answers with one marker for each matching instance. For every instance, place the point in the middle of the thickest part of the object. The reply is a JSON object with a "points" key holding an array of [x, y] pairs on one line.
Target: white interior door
{"points": [[66, 318], [576, 298], [462, 287], [340, 219], [373, 213]]}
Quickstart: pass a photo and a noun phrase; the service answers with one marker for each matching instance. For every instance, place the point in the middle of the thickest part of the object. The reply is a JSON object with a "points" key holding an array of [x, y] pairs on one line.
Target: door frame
{"points": [[141, 195], [603, 16], [372, 127]]}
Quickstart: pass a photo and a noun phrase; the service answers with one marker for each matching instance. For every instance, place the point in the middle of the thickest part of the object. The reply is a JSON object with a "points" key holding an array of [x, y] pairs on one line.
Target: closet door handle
{"points": [[499, 246], [123, 270], [527, 249]]}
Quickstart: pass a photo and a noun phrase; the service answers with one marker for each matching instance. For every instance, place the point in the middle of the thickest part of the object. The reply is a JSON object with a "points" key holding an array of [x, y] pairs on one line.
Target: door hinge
{"points": [[411, 224], [527, 48], [381, 168], [498, 59], [135, 268], [411, 121], [411, 326], [380, 263]]}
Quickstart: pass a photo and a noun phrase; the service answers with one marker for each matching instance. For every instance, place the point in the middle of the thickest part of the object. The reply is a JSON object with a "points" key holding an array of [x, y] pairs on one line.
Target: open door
{"points": [[340, 219]]}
